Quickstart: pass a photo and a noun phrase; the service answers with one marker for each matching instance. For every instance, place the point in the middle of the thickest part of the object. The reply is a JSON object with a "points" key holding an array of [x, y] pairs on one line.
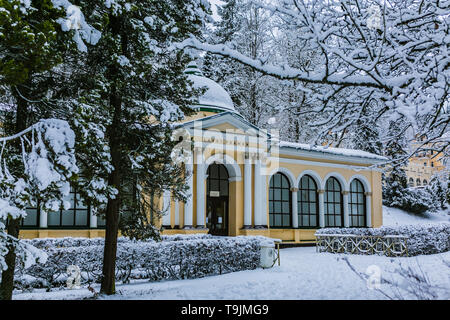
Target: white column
{"points": [[188, 206], [248, 194], [43, 216], [200, 191], [368, 209], [321, 208], [177, 214], [166, 209], [257, 200], [294, 208], [263, 209], [346, 211]]}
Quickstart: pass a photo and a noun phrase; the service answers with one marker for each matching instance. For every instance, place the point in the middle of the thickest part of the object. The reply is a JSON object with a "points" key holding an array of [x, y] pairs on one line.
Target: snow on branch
{"points": [[35, 164]]}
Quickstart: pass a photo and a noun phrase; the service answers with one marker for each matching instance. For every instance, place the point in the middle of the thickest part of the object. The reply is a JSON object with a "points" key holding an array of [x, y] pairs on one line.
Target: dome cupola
{"points": [[215, 98]]}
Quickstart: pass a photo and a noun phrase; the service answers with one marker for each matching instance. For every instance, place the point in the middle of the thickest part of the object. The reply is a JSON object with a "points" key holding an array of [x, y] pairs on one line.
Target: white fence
{"points": [[389, 245]]}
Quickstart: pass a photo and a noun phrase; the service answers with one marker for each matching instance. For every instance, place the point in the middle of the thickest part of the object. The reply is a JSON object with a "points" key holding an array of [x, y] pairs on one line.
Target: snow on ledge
{"points": [[331, 150]]}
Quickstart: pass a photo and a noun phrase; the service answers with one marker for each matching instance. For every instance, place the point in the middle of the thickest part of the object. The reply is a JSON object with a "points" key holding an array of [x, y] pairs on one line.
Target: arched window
{"points": [[417, 182], [357, 204], [333, 204], [411, 182], [308, 203], [279, 201], [425, 182]]}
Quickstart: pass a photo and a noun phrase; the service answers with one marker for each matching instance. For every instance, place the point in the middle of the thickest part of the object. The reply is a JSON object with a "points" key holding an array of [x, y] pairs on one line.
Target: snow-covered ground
{"points": [[303, 274], [395, 217]]}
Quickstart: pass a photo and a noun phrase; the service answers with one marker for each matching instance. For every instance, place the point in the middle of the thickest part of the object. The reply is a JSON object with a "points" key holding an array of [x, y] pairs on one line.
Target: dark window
{"points": [[333, 205], [217, 179], [417, 182], [357, 205], [308, 202], [76, 216], [425, 182], [279, 201]]}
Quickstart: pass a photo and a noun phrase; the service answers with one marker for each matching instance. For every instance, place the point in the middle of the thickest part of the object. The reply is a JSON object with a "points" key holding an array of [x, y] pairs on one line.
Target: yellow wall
{"points": [[236, 199]]}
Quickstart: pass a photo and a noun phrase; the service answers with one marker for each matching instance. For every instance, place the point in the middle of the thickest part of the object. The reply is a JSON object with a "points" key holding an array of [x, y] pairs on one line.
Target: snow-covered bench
{"points": [[388, 245]]}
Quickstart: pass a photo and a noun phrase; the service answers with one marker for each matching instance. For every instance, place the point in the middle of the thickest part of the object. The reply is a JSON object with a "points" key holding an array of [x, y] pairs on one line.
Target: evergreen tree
{"points": [[365, 132], [32, 42], [395, 181], [133, 79]]}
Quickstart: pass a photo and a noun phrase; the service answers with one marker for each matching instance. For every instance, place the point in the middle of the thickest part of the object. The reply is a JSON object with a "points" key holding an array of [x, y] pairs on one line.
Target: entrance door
{"points": [[217, 200]]}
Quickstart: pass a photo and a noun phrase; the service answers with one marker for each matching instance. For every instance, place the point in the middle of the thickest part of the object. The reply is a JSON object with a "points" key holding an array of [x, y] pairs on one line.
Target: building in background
{"points": [[423, 166]]}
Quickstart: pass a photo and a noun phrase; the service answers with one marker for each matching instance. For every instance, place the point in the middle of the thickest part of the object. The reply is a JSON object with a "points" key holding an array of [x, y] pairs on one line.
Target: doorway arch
{"points": [[217, 196]]}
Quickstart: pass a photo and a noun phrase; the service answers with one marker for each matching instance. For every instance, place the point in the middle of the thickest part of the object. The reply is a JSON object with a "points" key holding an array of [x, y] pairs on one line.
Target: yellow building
{"points": [[423, 166], [244, 181]]}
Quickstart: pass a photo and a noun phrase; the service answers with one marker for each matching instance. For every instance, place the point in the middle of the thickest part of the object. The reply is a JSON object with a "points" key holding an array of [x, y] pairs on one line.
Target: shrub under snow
{"points": [[422, 239], [176, 257]]}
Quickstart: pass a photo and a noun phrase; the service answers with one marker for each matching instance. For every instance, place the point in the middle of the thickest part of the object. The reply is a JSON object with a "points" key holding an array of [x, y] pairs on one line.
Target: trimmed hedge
{"points": [[176, 257], [422, 238]]}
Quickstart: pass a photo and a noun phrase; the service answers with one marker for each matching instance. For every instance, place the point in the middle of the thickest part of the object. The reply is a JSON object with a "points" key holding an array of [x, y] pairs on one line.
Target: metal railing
{"points": [[389, 245]]}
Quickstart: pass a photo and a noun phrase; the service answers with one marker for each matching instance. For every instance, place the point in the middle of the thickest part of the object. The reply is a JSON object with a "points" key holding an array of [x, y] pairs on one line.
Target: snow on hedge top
{"points": [[331, 150]]}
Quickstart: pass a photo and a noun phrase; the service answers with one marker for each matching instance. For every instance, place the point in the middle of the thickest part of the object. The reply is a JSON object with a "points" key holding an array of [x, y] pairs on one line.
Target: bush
{"points": [[176, 257], [422, 239], [414, 200]]}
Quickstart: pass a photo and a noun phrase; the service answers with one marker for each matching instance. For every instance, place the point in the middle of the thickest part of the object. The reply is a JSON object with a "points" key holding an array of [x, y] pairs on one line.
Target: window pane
{"points": [[338, 221], [313, 221], [312, 208], [81, 218], [278, 220], [285, 194], [277, 180], [53, 218], [31, 218], [361, 221], [285, 183], [67, 217], [304, 196], [304, 183], [277, 207], [277, 194], [305, 221], [286, 208], [286, 222], [305, 208], [337, 209]]}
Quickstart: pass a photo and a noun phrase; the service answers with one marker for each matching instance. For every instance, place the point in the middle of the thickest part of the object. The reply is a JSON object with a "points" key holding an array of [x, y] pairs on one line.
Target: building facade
{"points": [[244, 181]]}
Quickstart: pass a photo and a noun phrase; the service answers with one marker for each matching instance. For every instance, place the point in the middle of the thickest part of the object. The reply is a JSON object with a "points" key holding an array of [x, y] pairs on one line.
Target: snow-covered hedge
{"points": [[176, 257], [422, 238]]}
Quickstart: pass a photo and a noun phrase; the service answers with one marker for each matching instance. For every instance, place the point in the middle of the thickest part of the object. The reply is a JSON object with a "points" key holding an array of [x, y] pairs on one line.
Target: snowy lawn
{"points": [[303, 274], [396, 217]]}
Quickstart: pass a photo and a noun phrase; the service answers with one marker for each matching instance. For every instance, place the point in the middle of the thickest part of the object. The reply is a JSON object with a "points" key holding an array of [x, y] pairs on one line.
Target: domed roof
{"points": [[215, 97]]}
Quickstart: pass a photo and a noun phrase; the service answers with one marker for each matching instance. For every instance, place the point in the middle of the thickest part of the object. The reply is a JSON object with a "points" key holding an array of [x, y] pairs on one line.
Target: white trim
{"points": [[287, 172], [323, 164], [363, 180], [313, 175], [339, 177], [247, 193], [328, 156]]}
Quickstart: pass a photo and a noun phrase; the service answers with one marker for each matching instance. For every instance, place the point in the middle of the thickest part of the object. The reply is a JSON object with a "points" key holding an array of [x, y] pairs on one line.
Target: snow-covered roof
{"points": [[332, 150], [215, 97]]}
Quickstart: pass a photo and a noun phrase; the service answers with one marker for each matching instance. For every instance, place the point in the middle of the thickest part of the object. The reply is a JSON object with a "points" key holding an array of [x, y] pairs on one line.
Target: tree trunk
{"points": [[113, 206], [7, 283]]}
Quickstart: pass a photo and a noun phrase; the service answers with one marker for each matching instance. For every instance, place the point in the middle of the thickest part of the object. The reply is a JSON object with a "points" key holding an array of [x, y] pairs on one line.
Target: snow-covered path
{"points": [[303, 274]]}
